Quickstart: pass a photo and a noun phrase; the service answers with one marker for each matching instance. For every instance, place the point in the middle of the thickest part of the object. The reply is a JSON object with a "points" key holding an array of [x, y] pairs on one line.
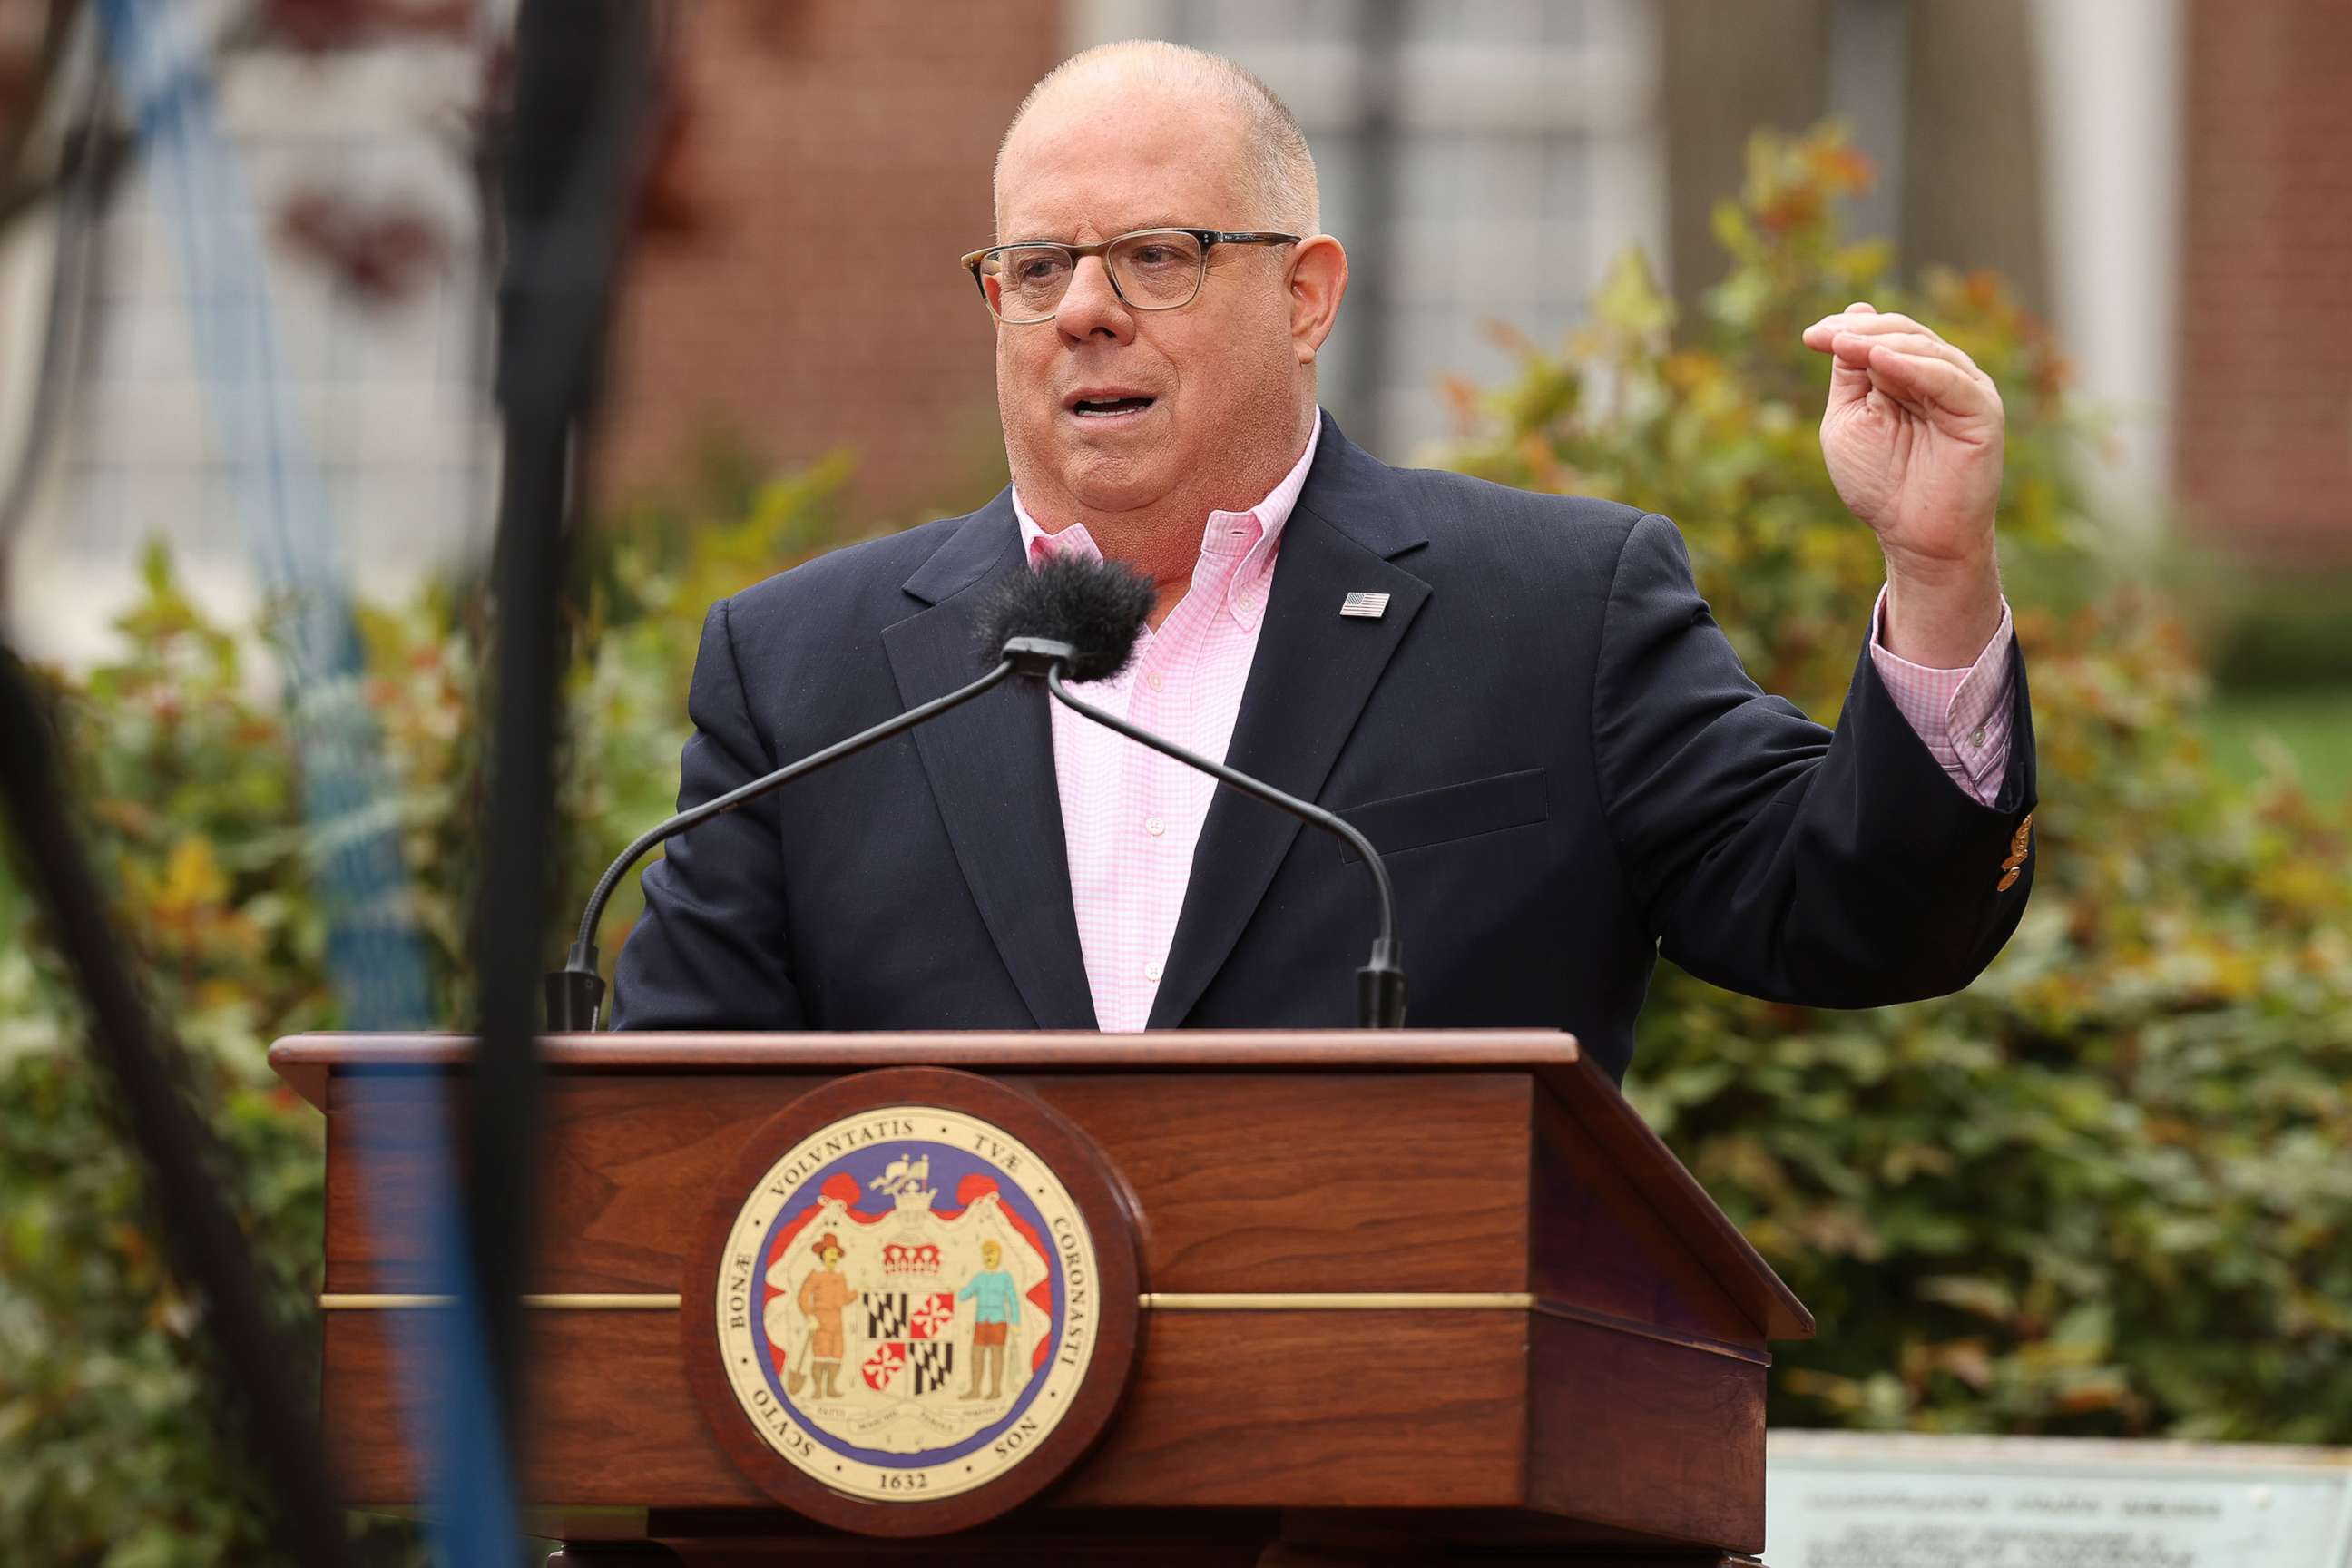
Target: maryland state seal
{"points": [[917, 1301]]}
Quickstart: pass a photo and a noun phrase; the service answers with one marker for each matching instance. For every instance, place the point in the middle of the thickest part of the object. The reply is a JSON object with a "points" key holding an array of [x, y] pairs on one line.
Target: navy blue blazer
{"points": [[1547, 735]]}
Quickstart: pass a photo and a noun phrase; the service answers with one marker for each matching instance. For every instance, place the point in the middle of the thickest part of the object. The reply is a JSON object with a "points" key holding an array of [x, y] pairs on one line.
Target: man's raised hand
{"points": [[1912, 436]]}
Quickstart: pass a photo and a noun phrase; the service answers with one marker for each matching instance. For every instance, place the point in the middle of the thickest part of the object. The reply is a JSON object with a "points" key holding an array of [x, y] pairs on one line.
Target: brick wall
{"points": [[837, 157], [2265, 389]]}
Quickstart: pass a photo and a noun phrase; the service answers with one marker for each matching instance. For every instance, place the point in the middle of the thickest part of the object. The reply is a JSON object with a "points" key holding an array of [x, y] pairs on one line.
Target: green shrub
{"points": [[108, 1452], [2104, 1189], [108, 1449]]}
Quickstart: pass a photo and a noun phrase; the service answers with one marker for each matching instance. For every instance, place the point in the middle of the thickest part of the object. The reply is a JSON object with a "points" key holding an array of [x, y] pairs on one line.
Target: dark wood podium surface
{"points": [[1410, 1291]]}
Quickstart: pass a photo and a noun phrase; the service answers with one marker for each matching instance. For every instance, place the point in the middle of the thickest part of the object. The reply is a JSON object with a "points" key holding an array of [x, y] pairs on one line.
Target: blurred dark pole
{"points": [[584, 71], [251, 1362], [1374, 252]]}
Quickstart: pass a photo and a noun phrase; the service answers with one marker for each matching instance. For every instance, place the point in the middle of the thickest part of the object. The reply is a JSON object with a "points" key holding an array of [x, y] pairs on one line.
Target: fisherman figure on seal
{"points": [[996, 1308]]}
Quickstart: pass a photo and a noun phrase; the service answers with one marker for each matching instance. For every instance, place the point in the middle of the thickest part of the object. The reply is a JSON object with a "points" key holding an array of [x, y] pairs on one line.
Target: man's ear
{"points": [[1318, 281]]}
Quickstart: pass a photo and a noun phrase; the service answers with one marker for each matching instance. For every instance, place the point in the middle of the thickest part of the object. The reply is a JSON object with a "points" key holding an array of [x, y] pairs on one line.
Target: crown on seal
{"points": [[900, 1260]]}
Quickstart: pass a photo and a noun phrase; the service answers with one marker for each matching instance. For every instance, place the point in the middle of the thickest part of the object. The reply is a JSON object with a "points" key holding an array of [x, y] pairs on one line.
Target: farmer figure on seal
{"points": [[823, 1296], [996, 1307]]}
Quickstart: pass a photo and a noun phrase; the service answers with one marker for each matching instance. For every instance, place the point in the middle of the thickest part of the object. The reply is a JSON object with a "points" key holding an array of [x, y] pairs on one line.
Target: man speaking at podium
{"points": [[1521, 699]]}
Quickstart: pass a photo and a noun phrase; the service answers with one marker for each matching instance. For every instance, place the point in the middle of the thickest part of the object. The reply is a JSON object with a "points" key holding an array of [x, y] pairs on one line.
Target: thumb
{"points": [[1850, 379]]}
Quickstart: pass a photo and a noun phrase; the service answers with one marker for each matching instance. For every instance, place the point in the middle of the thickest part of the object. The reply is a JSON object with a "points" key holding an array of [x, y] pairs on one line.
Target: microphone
{"points": [[1078, 619], [1083, 613]]}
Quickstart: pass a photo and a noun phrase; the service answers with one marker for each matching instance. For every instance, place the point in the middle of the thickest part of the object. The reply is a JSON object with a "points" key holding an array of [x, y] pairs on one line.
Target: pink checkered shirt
{"points": [[1132, 817], [1961, 714]]}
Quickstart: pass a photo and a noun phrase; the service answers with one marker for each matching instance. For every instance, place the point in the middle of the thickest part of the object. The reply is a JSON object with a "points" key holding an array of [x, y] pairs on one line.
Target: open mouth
{"points": [[1108, 407]]}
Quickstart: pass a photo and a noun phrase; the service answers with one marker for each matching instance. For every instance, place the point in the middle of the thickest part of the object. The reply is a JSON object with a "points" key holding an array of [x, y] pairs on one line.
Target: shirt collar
{"points": [[1218, 536]]}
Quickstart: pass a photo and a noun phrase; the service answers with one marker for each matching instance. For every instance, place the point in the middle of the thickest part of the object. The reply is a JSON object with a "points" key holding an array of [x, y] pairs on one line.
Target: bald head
{"points": [[1277, 171]]}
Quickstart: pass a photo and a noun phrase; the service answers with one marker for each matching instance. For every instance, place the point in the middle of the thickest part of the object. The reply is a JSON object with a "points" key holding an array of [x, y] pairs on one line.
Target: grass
{"points": [[2313, 726]]}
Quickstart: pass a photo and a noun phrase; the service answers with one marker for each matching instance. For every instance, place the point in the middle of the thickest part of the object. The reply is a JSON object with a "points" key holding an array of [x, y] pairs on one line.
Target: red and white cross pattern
{"points": [[883, 1367], [934, 1316]]}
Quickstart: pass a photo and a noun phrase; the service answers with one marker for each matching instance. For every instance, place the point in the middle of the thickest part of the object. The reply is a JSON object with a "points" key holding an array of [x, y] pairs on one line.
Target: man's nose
{"points": [[1092, 306]]}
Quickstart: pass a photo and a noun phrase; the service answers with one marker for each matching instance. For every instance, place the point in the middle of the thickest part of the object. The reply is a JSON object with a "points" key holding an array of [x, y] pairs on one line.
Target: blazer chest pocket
{"points": [[1441, 816]]}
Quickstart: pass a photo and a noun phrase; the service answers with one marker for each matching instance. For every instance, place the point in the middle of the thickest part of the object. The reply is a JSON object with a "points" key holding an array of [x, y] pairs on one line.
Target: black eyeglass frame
{"points": [[1207, 238]]}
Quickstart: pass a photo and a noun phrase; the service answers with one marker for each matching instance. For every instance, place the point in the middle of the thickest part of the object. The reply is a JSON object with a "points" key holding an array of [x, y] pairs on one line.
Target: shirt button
{"points": [[1159, 682], [1154, 826], [1151, 970], [1248, 601], [1976, 736]]}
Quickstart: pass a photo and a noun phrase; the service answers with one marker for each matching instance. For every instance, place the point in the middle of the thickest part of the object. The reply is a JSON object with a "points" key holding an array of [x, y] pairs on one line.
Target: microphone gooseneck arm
{"points": [[1379, 988], [576, 991]]}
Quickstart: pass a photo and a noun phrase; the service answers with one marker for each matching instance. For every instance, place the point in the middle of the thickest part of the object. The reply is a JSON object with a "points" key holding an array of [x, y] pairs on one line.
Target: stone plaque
{"points": [[1852, 1500]]}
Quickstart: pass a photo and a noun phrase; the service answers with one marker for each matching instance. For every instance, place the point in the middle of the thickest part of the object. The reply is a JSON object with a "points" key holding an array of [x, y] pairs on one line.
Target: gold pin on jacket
{"points": [[2020, 844]]}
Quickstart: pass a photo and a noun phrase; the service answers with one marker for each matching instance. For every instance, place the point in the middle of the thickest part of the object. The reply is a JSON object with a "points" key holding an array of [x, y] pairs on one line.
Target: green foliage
{"points": [[105, 1416], [2104, 1190], [105, 1421], [109, 1450]]}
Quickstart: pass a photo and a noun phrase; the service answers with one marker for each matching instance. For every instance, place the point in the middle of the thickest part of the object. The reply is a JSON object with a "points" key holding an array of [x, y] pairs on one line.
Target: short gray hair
{"points": [[1282, 168]]}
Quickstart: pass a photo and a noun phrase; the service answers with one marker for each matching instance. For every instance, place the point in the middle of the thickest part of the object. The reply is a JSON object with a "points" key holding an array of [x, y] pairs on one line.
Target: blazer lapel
{"points": [[1312, 674], [991, 764]]}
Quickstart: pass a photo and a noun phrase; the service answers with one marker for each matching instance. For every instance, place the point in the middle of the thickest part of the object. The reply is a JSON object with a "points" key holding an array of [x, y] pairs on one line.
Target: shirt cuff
{"points": [[1962, 716]]}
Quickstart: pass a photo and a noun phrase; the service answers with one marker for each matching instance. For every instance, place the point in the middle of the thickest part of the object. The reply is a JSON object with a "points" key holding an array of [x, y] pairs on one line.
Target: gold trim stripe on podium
{"points": [[1337, 1301], [1151, 1300], [553, 1301]]}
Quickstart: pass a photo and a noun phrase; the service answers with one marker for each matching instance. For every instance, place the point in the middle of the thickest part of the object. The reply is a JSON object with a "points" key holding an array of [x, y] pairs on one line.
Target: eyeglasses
{"points": [[1151, 269]]}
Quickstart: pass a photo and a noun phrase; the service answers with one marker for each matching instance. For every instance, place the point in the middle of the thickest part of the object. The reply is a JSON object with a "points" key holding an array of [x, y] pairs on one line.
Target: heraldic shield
{"points": [[914, 1301]]}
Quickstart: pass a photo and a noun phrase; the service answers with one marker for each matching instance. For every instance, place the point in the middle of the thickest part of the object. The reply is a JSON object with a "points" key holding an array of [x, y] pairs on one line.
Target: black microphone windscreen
{"points": [[1097, 606]]}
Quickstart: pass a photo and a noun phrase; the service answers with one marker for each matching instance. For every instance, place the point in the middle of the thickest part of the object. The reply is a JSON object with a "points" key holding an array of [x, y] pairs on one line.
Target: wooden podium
{"points": [[1402, 1296]]}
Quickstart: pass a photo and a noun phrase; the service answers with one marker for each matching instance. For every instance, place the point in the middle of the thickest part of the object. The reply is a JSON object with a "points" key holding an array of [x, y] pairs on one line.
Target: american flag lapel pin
{"points": [[1365, 606]]}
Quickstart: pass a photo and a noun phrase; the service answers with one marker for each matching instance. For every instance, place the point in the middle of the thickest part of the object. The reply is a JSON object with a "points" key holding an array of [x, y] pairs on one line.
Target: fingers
{"points": [[1819, 334], [1931, 383], [1861, 316], [1903, 330], [1886, 351], [1856, 346], [1852, 352]]}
